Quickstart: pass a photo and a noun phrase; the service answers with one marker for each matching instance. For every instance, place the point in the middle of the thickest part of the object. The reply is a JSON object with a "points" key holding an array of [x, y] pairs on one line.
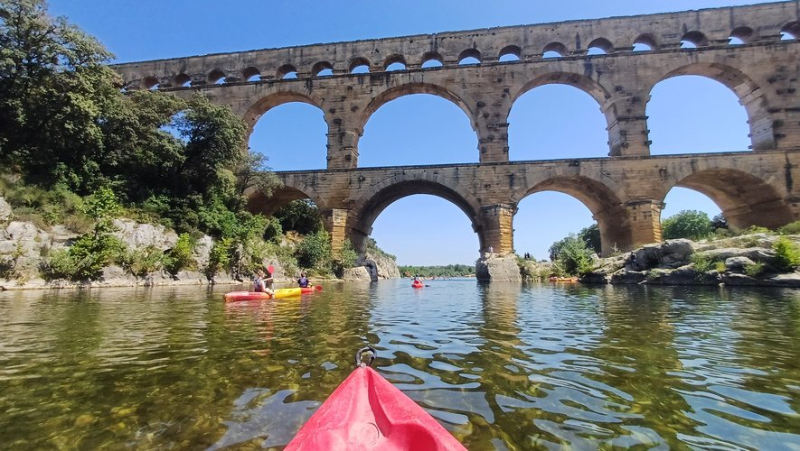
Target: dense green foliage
{"points": [[300, 216], [787, 253], [437, 271], [690, 224], [591, 237], [572, 256]]}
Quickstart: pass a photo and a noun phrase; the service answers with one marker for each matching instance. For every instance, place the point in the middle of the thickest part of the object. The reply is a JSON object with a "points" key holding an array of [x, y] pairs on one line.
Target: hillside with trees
{"points": [[78, 151]]}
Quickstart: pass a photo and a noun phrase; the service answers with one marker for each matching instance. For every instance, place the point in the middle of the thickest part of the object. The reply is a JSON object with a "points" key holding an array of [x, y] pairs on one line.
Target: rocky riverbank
{"points": [[749, 260], [25, 247]]}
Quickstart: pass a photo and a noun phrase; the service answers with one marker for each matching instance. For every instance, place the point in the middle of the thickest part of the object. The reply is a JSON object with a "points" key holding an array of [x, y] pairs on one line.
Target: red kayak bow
{"points": [[367, 412]]}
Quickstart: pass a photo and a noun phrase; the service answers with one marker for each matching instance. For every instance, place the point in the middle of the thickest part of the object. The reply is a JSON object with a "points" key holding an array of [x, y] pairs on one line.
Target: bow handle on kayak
{"points": [[373, 354]]}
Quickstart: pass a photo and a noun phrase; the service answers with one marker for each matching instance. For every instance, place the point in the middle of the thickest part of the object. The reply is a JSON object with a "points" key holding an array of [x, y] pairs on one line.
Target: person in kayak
{"points": [[262, 283], [303, 281]]}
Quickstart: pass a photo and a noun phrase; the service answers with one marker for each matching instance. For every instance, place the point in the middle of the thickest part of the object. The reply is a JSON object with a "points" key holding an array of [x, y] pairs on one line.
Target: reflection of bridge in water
{"points": [[625, 191]]}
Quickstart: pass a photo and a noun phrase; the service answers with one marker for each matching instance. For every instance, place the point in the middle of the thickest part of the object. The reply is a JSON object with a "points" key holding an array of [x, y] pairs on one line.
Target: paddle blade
{"points": [[317, 287], [271, 269]]}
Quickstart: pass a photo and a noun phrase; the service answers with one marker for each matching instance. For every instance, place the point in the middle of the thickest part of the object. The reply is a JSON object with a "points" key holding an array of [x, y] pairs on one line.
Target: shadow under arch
{"points": [[745, 199], [607, 209], [416, 88], [364, 211], [746, 90], [259, 203], [263, 104]]}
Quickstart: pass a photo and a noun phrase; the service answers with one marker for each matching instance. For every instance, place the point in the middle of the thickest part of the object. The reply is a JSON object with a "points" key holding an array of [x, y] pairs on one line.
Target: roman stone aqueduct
{"points": [[753, 50]]}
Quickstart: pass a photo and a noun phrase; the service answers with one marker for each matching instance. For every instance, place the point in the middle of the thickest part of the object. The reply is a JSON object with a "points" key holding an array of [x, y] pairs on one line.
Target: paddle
{"points": [[271, 269]]}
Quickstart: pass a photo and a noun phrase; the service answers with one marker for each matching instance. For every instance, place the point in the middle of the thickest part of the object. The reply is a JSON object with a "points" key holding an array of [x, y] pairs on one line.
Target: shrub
{"points": [[143, 261], [346, 259], [754, 269], [755, 229], [180, 256], [689, 224], [574, 256], [701, 263], [720, 266], [219, 257], [787, 253], [314, 251], [793, 228]]}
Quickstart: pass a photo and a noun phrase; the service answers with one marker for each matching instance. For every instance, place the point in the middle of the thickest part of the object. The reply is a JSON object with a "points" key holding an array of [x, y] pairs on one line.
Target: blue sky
{"points": [[686, 114]]}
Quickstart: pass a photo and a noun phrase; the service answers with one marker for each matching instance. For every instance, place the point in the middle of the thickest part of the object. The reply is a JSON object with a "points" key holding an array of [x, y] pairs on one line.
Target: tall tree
{"points": [[55, 91]]}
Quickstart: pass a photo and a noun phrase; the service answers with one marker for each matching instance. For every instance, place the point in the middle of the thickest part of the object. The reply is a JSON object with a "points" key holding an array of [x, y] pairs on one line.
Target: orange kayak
{"points": [[367, 412], [280, 293]]}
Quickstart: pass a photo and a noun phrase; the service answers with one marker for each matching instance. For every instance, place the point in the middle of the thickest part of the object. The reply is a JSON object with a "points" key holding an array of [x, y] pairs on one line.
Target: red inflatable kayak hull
{"points": [[368, 412], [308, 290], [417, 285]]}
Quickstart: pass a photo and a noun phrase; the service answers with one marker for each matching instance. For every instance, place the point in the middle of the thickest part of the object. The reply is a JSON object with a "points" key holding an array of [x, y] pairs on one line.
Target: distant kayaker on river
{"points": [[303, 280]]}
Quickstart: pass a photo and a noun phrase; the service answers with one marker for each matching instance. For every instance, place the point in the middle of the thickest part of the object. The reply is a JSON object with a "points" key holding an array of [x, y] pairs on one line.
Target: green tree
{"points": [[572, 254], [689, 224], [55, 93], [301, 216], [591, 236]]}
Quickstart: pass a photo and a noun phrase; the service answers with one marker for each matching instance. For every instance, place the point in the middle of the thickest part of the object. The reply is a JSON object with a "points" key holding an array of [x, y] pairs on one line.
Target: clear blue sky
{"points": [[686, 113]]}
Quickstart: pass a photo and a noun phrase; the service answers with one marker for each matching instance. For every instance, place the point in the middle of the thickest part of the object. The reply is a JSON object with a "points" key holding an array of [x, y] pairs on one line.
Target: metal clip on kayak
{"points": [[374, 353]]}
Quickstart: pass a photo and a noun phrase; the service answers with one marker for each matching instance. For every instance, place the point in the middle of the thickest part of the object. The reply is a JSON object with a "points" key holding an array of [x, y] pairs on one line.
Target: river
{"points": [[501, 366]]}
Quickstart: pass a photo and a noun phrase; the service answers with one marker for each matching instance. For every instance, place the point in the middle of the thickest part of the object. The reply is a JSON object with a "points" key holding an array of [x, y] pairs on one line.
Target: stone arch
{"points": [[320, 66], [365, 210], [470, 53], [695, 37], [744, 198], [792, 29], [260, 106], [182, 80], [391, 59], [432, 56], [603, 44], [357, 62], [603, 199], [216, 75], [556, 47], [415, 88], [513, 50], [249, 73], [284, 70], [749, 93], [744, 34], [258, 203], [647, 39], [150, 82], [580, 81]]}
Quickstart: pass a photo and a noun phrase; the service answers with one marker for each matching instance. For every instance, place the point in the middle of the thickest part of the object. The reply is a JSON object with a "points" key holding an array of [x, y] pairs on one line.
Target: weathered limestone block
{"points": [[737, 263], [670, 254], [136, 235], [498, 269], [359, 273], [5, 210]]}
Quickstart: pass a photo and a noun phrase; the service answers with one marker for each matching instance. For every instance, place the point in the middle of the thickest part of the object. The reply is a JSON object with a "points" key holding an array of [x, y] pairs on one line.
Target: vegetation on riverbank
{"points": [[438, 271], [716, 254], [78, 151]]}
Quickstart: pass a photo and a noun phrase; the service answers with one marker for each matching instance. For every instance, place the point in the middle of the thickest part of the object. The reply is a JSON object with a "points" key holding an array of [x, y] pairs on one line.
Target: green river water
{"points": [[501, 366]]}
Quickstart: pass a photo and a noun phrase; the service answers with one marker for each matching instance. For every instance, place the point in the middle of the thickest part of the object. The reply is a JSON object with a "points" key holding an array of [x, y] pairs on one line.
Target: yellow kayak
{"points": [[281, 293]]}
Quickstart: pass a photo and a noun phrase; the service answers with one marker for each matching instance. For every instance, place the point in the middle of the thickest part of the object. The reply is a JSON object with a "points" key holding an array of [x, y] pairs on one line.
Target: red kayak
{"points": [[367, 412], [417, 285], [308, 290]]}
